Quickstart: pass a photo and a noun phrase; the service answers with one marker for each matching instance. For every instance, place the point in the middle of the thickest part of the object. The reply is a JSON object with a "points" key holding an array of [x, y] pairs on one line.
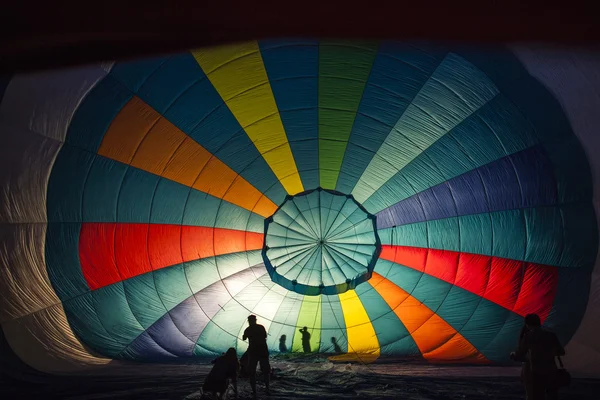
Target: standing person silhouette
{"points": [[538, 348], [305, 339], [258, 352]]}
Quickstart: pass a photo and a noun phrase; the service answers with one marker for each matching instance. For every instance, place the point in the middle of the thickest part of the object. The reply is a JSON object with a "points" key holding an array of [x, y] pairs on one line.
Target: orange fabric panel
{"points": [[127, 130], [158, 147], [215, 178], [254, 241], [186, 163], [229, 241], [141, 137], [436, 339]]}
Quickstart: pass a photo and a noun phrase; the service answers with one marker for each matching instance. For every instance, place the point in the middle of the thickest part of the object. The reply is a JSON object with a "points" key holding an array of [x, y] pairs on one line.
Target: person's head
{"points": [[282, 338], [304, 328], [231, 353], [532, 321], [333, 339], [252, 319]]}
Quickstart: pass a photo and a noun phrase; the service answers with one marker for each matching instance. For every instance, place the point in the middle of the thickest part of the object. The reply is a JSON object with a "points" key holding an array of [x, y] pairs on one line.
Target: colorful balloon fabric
{"points": [[403, 198]]}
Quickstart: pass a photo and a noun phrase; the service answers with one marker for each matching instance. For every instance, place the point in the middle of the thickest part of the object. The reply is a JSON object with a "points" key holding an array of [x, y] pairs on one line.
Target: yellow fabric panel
{"points": [[141, 137], [361, 334], [127, 130], [436, 339], [237, 72]]}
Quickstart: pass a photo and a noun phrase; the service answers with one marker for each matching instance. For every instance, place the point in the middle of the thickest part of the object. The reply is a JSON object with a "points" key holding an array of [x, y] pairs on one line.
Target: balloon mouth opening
{"points": [[320, 242]]}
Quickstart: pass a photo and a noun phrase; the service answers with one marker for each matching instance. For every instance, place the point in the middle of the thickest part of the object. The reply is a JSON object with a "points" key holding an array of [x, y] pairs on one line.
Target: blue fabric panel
{"points": [[102, 189], [96, 112], [134, 73], [62, 260], [398, 73], [166, 334], [144, 348], [189, 319], [163, 87], [136, 196], [501, 185], [292, 68], [66, 183], [496, 183]]}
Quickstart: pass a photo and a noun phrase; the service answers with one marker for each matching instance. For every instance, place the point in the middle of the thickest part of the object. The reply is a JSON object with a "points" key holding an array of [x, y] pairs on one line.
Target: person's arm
{"points": [[244, 336], [522, 350]]}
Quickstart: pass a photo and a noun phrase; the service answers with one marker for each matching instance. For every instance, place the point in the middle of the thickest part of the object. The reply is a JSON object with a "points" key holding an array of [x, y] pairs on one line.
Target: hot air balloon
{"points": [[396, 199]]}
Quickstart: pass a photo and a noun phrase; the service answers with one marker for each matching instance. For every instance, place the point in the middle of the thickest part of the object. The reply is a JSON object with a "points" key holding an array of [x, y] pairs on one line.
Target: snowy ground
{"points": [[305, 378]]}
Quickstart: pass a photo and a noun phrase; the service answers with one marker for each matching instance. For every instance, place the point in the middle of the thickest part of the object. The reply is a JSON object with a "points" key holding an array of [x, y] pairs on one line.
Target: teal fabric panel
{"points": [[62, 260], [172, 285], [143, 299], [333, 324]]}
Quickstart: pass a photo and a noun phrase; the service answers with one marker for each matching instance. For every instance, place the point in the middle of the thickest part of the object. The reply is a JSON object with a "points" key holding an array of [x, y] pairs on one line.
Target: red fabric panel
{"points": [[164, 245], [97, 254], [473, 271], [131, 249], [196, 242], [538, 290], [518, 286], [505, 281], [141, 248], [442, 264]]}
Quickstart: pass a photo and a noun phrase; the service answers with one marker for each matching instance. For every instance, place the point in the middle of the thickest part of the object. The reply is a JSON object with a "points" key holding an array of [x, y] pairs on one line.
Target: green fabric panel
{"points": [[438, 234], [455, 90], [203, 273], [509, 235], [544, 235], [580, 236], [484, 327], [84, 321], [344, 68], [405, 278], [505, 341], [501, 130], [458, 307], [406, 235], [284, 322], [475, 234], [430, 291], [172, 285], [388, 327], [113, 311], [332, 324], [309, 316], [571, 169], [223, 329], [143, 299]]}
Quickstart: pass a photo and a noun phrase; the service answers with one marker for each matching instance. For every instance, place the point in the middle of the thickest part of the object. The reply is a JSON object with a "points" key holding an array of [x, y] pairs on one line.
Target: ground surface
{"points": [[312, 378]]}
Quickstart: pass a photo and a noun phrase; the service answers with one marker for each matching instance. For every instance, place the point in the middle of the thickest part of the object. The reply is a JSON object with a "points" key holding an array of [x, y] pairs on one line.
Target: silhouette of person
{"points": [[305, 339], [226, 368], [538, 349], [282, 346], [336, 347], [258, 352]]}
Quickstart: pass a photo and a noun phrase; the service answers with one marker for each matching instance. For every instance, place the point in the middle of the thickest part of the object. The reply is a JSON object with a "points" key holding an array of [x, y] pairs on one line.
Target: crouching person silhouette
{"points": [[224, 371]]}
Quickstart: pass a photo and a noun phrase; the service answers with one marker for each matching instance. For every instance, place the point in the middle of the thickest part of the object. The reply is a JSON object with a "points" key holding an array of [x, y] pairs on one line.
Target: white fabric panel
{"points": [[34, 116], [573, 77], [45, 102]]}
